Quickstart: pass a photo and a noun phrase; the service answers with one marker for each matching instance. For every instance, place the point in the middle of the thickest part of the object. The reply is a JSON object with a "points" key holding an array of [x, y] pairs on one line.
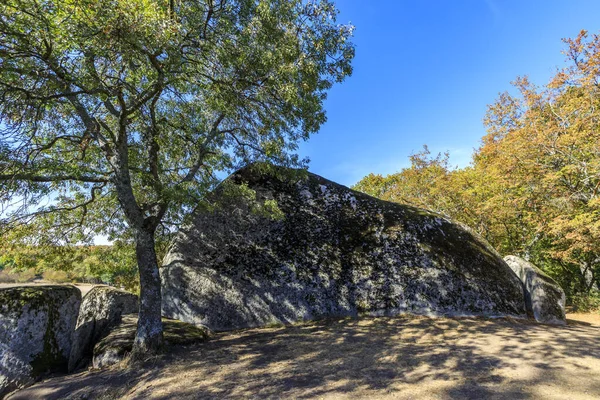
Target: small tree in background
{"points": [[116, 115]]}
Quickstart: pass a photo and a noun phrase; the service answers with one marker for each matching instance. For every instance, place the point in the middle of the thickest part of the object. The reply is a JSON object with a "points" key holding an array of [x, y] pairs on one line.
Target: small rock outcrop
{"points": [[101, 309], [544, 298], [36, 327], [113, 348], [274, 245]]}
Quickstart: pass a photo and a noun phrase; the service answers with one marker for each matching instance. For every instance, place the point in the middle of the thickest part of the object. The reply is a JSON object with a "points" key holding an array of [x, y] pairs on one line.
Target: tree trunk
{"points": [[149, 336], [587, 277]]}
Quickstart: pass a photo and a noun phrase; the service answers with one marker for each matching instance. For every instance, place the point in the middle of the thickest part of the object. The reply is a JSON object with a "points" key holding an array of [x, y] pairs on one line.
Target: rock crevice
{"points": [[101, 309]]}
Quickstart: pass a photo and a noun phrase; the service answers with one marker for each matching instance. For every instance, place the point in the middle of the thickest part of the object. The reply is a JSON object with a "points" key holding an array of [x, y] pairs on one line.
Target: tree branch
{"points": [[204, 151], [52, 178]]}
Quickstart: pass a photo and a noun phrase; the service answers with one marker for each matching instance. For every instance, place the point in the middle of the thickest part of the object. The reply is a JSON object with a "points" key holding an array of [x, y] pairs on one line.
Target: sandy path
{"points": [[400, 358]]}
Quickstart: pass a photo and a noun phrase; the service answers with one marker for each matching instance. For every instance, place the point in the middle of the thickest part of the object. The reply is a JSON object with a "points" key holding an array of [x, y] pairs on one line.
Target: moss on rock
{"points": [[118, 343], [331, 251], [36, 326]]}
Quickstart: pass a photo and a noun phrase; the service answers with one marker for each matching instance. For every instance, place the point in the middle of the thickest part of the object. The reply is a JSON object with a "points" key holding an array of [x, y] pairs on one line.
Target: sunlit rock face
{"points": [[544, 298], [36, 328], [324, 251]]}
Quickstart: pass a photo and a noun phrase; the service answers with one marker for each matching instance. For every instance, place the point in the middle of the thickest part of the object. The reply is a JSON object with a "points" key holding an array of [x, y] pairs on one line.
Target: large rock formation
{"points": [[304, 247], [101, 309], [36, 327], [544, 298]]}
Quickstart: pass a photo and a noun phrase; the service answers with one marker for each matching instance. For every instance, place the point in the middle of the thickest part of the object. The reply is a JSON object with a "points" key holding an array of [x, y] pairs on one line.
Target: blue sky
{"points": [[425, 71]]}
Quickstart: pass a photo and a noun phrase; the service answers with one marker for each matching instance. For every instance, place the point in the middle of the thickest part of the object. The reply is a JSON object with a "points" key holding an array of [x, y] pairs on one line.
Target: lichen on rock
{"points": [[36, 326], [330, 251], [544, 298], [101, 309]]}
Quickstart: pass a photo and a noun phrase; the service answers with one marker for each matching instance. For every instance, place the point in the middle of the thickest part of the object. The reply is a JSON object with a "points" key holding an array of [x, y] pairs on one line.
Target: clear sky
{"points": [[425, 71]]}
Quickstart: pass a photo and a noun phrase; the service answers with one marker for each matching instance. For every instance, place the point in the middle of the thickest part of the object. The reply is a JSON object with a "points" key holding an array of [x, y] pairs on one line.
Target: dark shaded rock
{"points": [[544, 298], [36, 328], [277, 246], [113, 348], [101, 309]]}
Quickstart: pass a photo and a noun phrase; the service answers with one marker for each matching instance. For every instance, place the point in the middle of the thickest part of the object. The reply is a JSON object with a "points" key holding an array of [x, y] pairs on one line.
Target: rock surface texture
{"points": [[113, 348], [544, 298], [36, 327], [101, 309], [305, 248]]}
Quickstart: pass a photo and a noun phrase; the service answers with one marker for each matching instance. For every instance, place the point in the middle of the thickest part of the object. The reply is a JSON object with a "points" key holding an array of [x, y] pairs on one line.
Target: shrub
{"points": [[589, 302], [13, 276], [56, 276]]}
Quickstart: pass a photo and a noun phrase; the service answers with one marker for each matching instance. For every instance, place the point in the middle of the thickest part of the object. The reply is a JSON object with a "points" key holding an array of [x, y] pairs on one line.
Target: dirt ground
{"points": [[403, 357]]}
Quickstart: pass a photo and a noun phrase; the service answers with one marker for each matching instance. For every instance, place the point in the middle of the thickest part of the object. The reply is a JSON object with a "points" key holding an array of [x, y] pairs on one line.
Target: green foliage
{"points": [[12, 276], [114, 265], [153, 97], [587, 302], [241, 193]]}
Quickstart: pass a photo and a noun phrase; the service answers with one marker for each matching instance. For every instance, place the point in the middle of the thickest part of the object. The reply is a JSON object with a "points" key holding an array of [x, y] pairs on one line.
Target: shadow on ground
{"points": [[399, 357]]}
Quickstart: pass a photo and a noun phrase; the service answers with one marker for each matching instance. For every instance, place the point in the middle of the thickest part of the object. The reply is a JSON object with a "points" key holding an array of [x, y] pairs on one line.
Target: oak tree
{"points": [[116, 116]]}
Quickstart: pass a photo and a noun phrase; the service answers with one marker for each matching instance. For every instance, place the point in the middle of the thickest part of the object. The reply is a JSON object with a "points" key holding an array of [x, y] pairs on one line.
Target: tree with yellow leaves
{"points": [[533, 188]]}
